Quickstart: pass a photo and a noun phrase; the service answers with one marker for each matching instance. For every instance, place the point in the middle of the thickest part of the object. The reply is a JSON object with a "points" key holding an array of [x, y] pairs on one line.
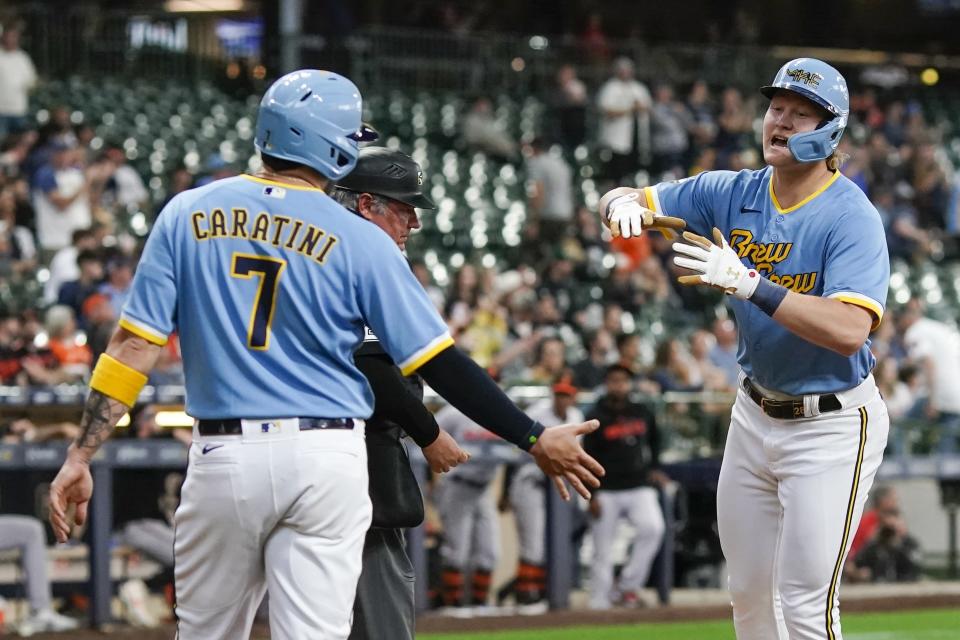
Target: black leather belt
{"points": [[233, 427], [788, 409]]}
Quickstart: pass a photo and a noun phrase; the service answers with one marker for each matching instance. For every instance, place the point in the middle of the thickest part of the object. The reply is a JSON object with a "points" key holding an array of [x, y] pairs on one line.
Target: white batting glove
{"points": [[716, 263], [621, 210], [626, 215]]}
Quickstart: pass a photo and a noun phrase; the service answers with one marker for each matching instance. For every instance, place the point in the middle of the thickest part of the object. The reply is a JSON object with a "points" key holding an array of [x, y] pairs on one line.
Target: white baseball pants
{"points": [[284, 511], [641, 508], [789, 501], [528, 500], [471, 533]]}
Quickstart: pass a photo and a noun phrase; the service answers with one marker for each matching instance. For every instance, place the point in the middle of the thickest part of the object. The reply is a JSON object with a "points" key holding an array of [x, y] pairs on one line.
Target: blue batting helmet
{"points": [[314, 118], [820, 83]]}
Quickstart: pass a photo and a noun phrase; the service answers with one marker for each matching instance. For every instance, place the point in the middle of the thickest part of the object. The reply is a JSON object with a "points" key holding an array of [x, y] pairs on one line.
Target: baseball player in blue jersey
{"points": [[801, 251], [270, 283]]}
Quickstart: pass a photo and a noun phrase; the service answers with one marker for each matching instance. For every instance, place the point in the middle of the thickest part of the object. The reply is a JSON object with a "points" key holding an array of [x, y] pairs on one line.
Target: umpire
{"points": [[386, 189]]}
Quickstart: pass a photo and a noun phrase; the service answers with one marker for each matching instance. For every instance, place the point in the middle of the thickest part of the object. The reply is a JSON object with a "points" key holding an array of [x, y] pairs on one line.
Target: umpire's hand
{"points": [[559, 454], [444, 453]]}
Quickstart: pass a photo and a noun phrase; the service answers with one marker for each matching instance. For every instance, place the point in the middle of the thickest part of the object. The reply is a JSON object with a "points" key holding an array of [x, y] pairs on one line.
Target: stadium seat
{"points": [[481, 199]]}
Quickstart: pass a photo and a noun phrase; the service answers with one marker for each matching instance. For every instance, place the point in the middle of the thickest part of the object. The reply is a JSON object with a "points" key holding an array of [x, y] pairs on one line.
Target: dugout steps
{"points": [[69, 566]]}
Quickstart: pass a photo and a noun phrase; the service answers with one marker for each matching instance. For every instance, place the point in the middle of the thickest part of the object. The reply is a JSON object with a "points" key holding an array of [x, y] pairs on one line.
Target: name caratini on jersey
{"points": [[282, 231]]}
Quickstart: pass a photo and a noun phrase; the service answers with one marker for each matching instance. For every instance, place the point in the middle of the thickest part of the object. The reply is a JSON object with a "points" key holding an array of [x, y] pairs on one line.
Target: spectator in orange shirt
{"points": [[635, 250], [69, 347], [98, 316]]}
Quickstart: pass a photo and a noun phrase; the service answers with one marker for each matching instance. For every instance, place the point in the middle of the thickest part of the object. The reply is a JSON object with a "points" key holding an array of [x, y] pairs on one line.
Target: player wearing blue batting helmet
{"points": [[823, 85], [802, 253], [313, 118]]}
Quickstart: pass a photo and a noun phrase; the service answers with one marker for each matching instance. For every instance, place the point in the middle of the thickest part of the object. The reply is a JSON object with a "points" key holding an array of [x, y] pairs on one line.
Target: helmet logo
{"points": [[810, 78], [419, 178], [395, 171]]}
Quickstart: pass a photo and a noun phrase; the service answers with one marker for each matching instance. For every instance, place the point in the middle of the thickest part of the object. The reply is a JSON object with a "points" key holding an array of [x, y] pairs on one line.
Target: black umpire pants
{"points": [[385, 601]]}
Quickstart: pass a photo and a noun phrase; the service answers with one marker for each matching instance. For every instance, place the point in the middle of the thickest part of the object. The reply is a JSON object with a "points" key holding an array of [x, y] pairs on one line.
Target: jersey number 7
{"points": [[269, 270]]}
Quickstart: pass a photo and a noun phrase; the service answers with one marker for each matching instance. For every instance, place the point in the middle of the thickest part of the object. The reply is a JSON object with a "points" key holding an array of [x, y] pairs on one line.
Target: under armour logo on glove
{"points": [[716, 263]]}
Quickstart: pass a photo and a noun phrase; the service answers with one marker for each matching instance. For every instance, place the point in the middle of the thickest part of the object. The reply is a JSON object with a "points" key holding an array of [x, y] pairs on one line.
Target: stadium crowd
{"points": [[564, 302], [566, 307]]}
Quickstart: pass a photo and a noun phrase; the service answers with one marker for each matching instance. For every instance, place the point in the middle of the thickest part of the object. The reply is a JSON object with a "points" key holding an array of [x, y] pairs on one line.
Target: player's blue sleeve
{"points": [[397, 308], [857, 265], [693, 199], [151, 308]]}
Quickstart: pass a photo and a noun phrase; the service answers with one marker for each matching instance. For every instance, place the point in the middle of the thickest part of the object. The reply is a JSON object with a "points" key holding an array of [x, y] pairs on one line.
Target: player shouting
{"points": [[801, 251]]}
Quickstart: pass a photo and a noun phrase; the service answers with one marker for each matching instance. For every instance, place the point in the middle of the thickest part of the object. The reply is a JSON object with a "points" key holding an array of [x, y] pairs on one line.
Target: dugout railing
{"points": [[692, 456]]}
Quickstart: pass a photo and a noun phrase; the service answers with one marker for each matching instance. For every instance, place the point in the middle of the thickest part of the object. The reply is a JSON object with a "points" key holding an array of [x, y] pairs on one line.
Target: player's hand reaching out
{"points": [[715, 264], [444, 453], [559, 454], [72, 486], [621, 210]]}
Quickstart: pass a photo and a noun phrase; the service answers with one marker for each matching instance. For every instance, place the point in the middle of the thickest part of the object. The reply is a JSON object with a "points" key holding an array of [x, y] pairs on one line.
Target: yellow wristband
{"points": [[117, 380]]}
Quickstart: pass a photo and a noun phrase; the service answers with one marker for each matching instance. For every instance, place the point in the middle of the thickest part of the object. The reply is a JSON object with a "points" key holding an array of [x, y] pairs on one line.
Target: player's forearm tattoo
{"points": [[100, 414]]}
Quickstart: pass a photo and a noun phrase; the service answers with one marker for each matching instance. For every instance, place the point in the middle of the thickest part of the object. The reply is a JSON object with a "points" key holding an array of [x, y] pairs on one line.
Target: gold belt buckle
{"points": [[763, 403]]}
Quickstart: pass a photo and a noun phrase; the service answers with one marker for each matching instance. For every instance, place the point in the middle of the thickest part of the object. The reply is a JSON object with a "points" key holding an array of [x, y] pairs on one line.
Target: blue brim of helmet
{"points": [[365, 134], [769, 91]]}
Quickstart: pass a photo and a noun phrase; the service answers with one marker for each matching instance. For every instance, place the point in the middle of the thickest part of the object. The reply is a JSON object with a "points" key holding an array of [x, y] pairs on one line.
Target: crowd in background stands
{"points": [[568, 306]]}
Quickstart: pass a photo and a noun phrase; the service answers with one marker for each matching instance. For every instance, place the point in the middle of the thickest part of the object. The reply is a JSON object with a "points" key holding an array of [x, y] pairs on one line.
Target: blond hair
{"points": [[836, 160]]}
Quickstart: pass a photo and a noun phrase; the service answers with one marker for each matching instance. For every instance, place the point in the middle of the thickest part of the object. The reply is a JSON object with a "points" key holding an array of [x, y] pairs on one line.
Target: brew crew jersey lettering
{"points": [[274, 285], [831, 244]]}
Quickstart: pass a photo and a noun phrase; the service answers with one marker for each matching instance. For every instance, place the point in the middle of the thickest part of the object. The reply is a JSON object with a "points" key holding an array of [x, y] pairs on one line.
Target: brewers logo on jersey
{"points": [[801, 250]]}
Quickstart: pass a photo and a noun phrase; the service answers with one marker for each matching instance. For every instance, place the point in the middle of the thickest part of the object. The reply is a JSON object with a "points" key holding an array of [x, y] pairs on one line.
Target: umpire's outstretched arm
{"points": [[396, 403], [466, 386]]}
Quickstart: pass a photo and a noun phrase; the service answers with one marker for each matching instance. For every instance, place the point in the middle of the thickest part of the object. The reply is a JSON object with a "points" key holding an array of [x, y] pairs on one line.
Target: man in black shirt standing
{"points": [[385, 188], [627, 445]]}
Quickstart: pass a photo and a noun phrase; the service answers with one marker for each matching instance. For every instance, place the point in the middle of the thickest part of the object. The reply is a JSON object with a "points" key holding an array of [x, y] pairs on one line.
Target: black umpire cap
{"points": [[389, 173]]}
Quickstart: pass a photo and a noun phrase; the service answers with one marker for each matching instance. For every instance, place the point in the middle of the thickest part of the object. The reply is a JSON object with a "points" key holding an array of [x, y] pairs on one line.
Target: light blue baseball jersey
{"points": [[270, 286], [831, 244]]}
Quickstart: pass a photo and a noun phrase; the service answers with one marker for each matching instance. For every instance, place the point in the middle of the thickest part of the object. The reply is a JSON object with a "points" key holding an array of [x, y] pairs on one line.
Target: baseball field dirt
{"points": [[907, 617]]}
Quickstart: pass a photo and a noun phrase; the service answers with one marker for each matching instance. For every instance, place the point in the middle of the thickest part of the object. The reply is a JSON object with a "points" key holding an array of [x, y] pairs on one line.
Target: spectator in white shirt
{"points": [[117, 285], [124, 187], [670, 122], [17, 78], [724, 352], [549, 195], [624, 106], [63, 264], [61, 197], [483, 131], [935, 348], [23, 250]]}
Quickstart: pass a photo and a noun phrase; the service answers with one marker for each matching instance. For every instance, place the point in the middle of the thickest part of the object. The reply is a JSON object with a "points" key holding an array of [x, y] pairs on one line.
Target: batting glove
{"points": [[716, 263], [626, 217]]}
